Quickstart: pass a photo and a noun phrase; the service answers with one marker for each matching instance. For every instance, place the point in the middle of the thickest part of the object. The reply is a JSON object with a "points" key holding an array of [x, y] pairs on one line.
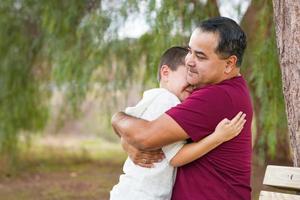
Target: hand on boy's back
{"points": [[141, 157]]}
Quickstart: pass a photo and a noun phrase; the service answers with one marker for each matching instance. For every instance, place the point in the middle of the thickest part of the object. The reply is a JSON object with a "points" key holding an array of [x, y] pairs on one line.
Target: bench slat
{"points": [[283, 177], [264, 195]]}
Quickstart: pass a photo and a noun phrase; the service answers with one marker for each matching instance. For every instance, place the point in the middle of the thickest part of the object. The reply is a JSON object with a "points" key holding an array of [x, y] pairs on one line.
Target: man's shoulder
{"points": [[208, 98], [223, 89], [211, 91]]}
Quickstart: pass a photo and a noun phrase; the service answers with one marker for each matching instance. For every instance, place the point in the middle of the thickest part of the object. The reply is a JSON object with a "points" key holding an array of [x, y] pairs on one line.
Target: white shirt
{"points": [[138, 183]]}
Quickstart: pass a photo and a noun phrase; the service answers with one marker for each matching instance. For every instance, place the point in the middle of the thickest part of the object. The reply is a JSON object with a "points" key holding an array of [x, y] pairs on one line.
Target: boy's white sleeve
{"points": [[172, 149], [159, 106], [152, 108], [153, 104]]}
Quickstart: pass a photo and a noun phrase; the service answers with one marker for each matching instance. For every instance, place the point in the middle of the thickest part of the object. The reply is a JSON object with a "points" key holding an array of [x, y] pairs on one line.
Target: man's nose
{"points": [[190, 60]]}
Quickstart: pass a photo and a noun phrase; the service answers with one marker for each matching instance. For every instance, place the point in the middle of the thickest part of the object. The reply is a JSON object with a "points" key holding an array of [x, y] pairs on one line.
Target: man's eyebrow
{"points": [[197, 52], [200, 53]]}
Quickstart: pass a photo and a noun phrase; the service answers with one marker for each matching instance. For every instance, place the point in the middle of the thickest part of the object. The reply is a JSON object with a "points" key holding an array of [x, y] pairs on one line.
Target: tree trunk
{"points": [[287, 17]]}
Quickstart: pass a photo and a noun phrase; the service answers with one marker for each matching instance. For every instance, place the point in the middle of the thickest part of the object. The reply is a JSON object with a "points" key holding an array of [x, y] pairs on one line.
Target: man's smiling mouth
{"points": [[192, 71]]}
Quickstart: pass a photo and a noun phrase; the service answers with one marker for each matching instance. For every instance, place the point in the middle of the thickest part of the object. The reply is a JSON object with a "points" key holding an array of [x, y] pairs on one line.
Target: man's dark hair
{"points": [[232, 39], [173, 58]]}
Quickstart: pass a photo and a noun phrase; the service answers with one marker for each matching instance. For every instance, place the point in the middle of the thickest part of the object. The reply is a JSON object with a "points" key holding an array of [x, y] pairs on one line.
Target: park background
{"points": [[67, 66]]}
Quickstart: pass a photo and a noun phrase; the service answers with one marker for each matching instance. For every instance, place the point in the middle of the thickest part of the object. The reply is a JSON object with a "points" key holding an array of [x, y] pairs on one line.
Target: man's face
{"points": [[203, 64], [177, 83]]}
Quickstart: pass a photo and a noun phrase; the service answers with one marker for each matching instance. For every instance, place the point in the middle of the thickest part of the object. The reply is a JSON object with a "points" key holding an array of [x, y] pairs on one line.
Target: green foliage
{"points": [[56, 45], [21, 107], [44, 45], [70, 46]]}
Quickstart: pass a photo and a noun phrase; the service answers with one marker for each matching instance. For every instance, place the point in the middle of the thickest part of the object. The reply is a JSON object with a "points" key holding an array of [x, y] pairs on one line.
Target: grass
{"points": [[63, 168], [68, 167]]}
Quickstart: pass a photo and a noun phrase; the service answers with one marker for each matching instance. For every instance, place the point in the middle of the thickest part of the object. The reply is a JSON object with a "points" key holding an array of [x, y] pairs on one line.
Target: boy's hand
{"points": [[228, 129], [142, 158]]}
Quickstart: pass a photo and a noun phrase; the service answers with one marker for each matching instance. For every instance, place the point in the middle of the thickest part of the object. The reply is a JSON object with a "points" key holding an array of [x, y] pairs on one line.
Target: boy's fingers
{"points": [[241, 122], [236, 118], [240, 129], [238, 121], [241, 125], [240, 116]]}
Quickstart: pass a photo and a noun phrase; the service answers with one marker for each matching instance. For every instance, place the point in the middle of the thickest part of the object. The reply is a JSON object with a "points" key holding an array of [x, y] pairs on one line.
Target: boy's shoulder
{"points": [[160, 100], [160, 94]]}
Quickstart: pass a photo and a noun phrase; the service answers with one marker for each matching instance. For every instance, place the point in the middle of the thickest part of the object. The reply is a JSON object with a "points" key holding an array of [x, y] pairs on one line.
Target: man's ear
{"points": [[230, 64], [164, 73]]}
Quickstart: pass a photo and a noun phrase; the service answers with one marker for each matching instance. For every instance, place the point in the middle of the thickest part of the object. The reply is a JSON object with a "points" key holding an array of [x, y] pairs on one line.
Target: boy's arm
{"points": [[225, 131]]}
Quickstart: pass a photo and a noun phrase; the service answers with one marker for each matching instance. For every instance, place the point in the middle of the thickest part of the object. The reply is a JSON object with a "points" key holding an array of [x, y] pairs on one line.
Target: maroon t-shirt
{"points": [[223, 173]]}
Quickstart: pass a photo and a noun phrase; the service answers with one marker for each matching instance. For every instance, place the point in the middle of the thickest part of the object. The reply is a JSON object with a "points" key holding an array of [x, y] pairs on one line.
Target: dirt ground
{"points": [[63, 168], [58, 175], [79, 181], [84, 181]]}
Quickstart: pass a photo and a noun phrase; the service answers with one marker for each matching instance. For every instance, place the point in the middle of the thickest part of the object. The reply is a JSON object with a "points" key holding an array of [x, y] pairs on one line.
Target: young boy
{"points": [[139, 183]]}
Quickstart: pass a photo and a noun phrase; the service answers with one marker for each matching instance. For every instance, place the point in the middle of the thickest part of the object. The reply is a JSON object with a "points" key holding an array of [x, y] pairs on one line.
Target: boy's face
{"points": [[177, 83]]}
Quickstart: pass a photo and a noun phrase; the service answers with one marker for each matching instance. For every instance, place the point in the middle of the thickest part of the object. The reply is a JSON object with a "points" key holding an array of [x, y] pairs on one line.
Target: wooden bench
{"points": [[279, 177]]}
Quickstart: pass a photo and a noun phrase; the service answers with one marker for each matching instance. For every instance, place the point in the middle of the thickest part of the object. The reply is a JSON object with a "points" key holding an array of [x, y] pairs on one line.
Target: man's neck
{"points": [[233, 74]]}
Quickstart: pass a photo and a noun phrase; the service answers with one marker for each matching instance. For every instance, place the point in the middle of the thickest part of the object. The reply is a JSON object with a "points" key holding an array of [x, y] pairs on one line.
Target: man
{"points": [[156, 183], [216, 50]]}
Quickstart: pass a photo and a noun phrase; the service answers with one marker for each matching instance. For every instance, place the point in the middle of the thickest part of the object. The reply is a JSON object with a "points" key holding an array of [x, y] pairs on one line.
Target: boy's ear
{"points": [[230, 64], [164, 73]]}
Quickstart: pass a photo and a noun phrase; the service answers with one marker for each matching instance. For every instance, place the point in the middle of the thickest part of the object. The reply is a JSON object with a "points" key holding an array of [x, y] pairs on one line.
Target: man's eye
{"points": [[200, 57]]}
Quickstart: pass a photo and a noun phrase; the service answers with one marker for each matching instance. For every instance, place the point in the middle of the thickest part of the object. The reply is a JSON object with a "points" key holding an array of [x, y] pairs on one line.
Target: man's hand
{"points": [[117, 117], [142, 158], [228, 129]]}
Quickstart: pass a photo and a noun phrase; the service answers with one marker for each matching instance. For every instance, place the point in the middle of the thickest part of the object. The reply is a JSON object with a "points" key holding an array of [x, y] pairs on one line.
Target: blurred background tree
{"points": [[288, 43], [73, 49], [262, 71]]}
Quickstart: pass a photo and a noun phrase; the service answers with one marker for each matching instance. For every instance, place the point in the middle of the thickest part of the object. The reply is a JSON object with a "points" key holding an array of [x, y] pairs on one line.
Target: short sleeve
{"points": [[172, 149], [200, 113], [160, 105], [154, 103]]}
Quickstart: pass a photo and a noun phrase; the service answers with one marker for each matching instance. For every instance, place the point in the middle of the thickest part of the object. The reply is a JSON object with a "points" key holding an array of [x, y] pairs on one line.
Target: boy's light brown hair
{"points": [[173, 58]]}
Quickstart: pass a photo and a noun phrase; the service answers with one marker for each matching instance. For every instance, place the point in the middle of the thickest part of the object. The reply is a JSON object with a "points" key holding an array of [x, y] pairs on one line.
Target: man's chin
{"points": [[192, 81]]}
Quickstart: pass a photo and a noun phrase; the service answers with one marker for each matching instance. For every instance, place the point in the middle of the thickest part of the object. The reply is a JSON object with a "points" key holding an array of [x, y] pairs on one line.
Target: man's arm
{"points": [[141, 157], [148, 135]]}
